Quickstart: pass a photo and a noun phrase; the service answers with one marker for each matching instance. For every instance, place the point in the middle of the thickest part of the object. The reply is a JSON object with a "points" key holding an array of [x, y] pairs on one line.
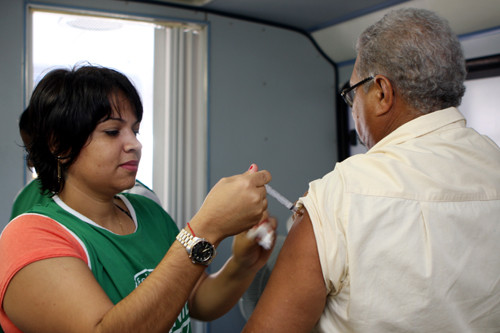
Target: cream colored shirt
{"points": [[408, 234]]}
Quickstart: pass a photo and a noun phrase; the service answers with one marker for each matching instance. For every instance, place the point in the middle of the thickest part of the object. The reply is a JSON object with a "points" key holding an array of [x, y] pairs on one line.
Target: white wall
{"points": [[272, 103], [11, 103]]}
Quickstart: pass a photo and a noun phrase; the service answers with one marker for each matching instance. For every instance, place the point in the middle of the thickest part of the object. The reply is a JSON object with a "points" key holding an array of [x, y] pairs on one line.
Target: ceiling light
{"points": [[90, 23]]}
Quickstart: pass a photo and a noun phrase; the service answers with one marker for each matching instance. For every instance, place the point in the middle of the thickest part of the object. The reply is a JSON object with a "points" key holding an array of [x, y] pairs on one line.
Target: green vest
{"points": [[29, 196], [120, 263]]}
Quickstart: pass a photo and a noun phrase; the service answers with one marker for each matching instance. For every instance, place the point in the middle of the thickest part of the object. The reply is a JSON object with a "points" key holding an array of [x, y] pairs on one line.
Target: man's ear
{"points": [[385, 94]]}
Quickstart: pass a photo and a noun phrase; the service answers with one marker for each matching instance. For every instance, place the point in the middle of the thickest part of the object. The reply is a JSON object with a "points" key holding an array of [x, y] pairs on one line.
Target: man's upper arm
{"points": [[295, 295]]}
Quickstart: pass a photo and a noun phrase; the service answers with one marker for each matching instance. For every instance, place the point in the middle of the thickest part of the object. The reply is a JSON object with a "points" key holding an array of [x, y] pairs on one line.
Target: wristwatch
{"points": [[199, 249]]}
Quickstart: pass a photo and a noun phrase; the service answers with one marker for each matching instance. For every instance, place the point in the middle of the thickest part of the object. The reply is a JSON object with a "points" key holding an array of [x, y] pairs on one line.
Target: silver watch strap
{"points": [[186, 239]]}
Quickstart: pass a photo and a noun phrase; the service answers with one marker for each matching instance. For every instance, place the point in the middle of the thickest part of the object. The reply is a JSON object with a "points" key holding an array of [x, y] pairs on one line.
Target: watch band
{"points": [[186, 240]]}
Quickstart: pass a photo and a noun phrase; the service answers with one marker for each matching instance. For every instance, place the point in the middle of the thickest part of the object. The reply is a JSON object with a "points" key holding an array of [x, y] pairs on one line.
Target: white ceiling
{"points": [[306, 15], [465, 17], [336, 24]]}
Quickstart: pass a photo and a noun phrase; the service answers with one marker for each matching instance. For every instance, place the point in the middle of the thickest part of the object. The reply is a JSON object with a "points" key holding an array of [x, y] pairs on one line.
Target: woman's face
{"points": [[109, 161]]}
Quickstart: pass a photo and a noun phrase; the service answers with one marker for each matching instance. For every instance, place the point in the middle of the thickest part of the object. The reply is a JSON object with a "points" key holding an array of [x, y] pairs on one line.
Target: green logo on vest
{"points": [[139, 277]]}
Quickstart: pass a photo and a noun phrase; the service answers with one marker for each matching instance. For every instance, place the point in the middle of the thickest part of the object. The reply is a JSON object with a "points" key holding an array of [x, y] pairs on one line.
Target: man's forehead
{"points": [[354, 74]]}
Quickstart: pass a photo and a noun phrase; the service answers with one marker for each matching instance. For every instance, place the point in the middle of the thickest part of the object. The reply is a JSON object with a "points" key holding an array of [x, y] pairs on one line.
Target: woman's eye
{"points": [[112, 132]]}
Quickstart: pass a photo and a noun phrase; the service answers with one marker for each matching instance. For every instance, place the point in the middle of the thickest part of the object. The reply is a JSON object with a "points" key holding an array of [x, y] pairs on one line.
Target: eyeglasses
{"points": [[348, 93]]}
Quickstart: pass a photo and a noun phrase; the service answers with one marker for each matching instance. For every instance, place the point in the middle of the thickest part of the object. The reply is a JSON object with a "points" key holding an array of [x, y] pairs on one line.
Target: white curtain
{"points": [[180, 123], [180, 119]]}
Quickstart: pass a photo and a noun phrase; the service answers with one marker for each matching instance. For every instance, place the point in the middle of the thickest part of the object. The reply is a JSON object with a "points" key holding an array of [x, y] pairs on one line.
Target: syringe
{"points": [[282, 200]]}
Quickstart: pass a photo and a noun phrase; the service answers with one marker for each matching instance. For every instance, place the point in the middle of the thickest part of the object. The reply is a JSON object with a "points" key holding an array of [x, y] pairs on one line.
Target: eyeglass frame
{"points": [[348, 93]]}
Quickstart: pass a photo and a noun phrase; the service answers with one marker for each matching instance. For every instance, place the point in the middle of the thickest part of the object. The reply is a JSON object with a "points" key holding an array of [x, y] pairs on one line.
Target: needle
{"points": [[282, 200]]}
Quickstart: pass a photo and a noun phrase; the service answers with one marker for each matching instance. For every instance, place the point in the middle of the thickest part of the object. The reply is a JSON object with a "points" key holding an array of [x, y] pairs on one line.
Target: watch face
{"points": [[203, 252]]}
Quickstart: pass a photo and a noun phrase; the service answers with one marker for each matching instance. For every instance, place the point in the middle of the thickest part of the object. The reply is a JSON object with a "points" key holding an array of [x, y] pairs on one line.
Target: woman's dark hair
{"points": [[64, 110], [25, 132]]}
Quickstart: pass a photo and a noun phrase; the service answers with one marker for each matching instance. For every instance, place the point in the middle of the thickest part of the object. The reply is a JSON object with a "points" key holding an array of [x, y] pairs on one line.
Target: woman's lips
{"points": [[130, 165]]}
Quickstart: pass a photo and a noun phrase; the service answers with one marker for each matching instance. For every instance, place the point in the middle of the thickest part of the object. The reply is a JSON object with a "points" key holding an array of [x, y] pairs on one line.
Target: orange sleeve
{"points": [[29, 238]]}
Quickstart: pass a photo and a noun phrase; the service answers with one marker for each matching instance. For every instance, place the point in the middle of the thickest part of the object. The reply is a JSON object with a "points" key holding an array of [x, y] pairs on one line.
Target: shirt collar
{"points": [[422, 125]]}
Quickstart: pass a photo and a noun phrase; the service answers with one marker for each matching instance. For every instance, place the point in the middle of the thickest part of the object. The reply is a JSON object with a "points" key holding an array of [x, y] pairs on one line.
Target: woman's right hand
{"points": [[233, 205]]}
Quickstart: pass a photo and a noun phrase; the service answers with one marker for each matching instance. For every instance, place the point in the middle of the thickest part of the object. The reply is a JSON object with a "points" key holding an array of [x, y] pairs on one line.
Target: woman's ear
{"points": [[63, 157], [385, 94], [53, 144]]}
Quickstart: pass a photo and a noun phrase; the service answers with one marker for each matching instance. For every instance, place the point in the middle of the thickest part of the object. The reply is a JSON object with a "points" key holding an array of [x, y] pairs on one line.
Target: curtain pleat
{"points": [[180, 121]]}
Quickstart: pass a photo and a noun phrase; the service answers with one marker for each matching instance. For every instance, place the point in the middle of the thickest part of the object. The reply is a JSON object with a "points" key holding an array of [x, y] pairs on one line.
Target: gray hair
{"points": [[419, 53]]}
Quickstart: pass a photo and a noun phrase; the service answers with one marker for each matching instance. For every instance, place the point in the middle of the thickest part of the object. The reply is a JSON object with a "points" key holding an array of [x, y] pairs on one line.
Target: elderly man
{"points": [[404, 238]]}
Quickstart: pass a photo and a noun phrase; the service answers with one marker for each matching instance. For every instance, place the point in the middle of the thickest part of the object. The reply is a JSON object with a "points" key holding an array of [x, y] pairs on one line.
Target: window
{"points": [[480, 106], [63, 40], [480, 102]]}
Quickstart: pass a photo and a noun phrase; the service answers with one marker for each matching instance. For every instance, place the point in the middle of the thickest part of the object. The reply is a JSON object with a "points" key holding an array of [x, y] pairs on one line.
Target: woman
{"points": [[94, 260]]}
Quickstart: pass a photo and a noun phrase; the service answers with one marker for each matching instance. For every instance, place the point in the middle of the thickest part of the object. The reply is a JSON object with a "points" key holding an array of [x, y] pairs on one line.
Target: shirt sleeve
{"points": [[32, 237], [325, 203]]}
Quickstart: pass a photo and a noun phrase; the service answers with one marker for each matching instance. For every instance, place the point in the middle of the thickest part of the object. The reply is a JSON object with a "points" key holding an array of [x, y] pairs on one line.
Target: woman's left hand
{"points": [[247, 252]]}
